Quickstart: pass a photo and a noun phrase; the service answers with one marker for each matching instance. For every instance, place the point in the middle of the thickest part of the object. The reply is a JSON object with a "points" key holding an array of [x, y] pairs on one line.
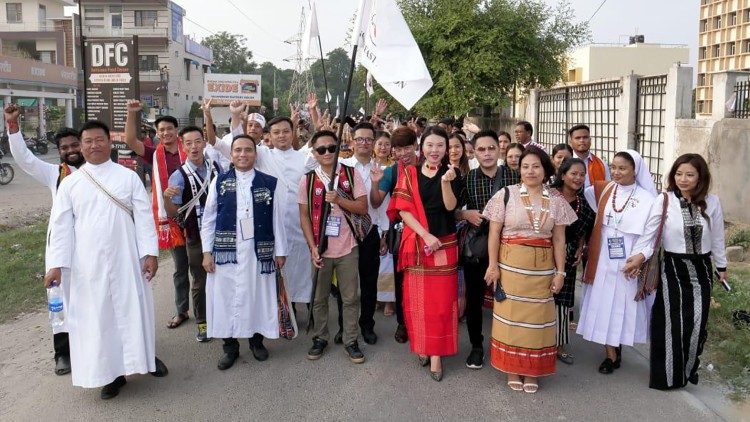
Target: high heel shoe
{"points": [[436, 375], [424, 361]]}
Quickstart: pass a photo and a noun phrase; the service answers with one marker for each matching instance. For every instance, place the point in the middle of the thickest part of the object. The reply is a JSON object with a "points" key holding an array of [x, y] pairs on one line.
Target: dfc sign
{"points": [[109, 54]]}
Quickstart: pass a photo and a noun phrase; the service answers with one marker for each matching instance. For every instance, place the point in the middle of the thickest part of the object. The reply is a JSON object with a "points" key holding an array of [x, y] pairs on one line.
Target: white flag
{"points": [[389, 52], [368, 84], [328, 97], [309, 38], [338, 110]]}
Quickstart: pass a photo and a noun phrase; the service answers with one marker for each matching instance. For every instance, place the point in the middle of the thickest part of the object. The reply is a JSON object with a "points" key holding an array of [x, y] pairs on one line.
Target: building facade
{"points": [[37, 63], [171, 64], [723, 45], [607, 61]]}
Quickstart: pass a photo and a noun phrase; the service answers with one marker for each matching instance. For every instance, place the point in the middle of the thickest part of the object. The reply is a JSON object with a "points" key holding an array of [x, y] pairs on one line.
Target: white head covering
{"points": [[643, 176], [258, 118]]}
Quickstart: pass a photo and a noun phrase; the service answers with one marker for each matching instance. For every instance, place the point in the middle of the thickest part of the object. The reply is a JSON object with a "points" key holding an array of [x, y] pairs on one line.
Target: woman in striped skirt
{"points": [[569, 180], [692, 234], [528, 264]]}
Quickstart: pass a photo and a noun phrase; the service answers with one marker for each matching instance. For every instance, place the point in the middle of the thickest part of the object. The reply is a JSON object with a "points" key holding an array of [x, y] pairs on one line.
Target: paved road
{"points": [[24, 197], [389, 386]]}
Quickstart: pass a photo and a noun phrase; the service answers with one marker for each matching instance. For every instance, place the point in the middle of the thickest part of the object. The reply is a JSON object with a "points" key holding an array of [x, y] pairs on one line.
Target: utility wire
{"points": [[596, 11], [254, 23]]}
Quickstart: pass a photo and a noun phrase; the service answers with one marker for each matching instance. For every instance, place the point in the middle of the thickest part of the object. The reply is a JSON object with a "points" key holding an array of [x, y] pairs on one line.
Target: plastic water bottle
{"points": [[55, 306]]}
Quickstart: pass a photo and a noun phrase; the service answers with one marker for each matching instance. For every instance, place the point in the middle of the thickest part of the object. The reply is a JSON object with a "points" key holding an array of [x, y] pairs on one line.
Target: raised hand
{"points": [[134, 106], [295, 113], [312, 101], [206, 107], [380, 106], [12, 112], [376, 174], [236, 107], [471, 127]]}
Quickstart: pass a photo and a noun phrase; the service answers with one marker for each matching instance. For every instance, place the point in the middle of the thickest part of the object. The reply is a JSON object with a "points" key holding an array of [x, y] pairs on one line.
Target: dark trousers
{"points": [[198, 288], [62, 347], [474, 279], [369, 267], [398, 283], [181, 279], [232, 345]]}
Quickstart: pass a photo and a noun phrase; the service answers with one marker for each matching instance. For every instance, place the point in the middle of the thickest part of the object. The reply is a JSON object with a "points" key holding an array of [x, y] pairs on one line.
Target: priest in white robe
{"points": [[288, 166], [244, 244], [101, 229]]}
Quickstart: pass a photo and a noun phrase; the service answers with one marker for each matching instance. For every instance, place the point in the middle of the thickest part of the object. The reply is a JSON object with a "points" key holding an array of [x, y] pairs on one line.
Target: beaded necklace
{"points": [[614, 198], [536, 220]]}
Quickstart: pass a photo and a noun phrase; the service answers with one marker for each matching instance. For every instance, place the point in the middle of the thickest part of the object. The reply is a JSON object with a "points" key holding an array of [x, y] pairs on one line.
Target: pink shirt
{"points": [[344, 243], [515, 219]]}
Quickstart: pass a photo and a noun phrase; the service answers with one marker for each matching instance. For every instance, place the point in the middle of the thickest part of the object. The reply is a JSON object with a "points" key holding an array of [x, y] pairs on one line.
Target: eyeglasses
{"points": [[322, 150], [362, 140], [483, 149]]}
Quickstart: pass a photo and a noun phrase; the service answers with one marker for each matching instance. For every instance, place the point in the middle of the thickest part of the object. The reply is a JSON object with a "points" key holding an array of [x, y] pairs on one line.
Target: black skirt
{"points": [[678, 320]]}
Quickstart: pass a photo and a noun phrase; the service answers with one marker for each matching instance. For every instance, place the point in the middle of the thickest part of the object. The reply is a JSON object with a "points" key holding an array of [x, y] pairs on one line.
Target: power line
{"points": [[253, 22], [596, 11]]}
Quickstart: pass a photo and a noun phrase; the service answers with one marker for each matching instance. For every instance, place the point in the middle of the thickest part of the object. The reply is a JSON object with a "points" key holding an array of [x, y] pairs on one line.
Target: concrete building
{"points": [[723, 45], [171, 64], [607, 61], [37, 63]]}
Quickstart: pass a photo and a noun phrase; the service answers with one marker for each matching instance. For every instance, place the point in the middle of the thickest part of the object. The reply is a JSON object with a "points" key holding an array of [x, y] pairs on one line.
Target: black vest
{"points": [[192, 232]]}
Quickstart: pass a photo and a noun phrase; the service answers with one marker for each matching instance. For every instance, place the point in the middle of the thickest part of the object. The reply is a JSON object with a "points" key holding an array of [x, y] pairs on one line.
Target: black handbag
{"points": [[393, 237], [474, 239]]}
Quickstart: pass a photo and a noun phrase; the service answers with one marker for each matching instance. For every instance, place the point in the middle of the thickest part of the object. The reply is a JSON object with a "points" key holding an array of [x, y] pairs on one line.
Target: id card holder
{"points": [[616, 246], [247, 228], [333, 226]]}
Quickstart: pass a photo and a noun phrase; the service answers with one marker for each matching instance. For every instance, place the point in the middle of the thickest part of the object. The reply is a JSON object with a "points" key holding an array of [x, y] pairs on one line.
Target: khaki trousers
{"points": [[347, 277]]}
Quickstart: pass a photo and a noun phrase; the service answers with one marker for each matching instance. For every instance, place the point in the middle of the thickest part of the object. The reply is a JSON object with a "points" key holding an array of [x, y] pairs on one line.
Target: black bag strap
{"points": [[499, 176]]}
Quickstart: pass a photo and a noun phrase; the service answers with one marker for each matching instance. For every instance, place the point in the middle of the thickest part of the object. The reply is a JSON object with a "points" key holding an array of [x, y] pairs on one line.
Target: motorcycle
{"points": [[6, 171], [37, 146]]}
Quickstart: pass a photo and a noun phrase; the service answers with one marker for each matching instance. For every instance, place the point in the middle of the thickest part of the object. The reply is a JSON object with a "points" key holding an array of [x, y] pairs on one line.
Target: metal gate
{"points": [[649, 124]]}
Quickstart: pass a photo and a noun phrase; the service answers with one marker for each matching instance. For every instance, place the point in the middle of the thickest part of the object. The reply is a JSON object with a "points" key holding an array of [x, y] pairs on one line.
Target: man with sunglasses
{"points": [[369, 248], [481, 185], [347, 225]]}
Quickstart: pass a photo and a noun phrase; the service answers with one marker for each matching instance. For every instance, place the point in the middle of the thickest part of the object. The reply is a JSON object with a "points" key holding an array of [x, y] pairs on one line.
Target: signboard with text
{"points": [[223, 88], [111, 72]]}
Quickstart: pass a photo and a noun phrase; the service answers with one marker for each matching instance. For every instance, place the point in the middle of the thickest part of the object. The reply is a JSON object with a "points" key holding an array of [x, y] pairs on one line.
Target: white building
{"points": [[171, 65]]}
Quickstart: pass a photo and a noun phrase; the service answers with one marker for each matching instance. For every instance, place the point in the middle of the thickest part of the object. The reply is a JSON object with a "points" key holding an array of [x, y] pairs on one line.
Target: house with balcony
{"points": [[37, 62], [171, 64]]}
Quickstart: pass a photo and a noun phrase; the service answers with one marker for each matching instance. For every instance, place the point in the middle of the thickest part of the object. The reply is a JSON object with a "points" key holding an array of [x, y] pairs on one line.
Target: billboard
{"points": [[111, 72], [223, 88]]}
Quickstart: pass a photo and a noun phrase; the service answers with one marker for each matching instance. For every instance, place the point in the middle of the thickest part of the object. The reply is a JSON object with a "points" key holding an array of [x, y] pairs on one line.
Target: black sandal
{"points": [[607, 367]]}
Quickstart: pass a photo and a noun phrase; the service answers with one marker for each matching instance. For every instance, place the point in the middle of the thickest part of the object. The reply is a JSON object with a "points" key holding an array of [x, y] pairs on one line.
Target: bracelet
{"points": [[12, 126], [562, 273]]}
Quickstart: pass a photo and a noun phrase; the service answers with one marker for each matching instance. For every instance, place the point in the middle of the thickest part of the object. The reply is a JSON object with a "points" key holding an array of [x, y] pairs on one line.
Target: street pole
{"points": [[83, 59]]}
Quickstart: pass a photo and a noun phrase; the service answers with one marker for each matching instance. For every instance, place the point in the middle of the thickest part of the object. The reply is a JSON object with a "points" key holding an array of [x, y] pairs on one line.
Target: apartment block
{"points": [[171, 64], [723, 44]]}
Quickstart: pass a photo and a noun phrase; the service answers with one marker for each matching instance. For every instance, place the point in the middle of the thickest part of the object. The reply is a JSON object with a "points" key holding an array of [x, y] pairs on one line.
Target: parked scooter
{"points": [[37, 146], [6, 171]]}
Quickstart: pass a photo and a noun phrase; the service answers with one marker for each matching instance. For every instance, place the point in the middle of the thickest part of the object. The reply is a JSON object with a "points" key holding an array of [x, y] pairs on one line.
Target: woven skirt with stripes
{"points": [[524, 324], [678, 320]]}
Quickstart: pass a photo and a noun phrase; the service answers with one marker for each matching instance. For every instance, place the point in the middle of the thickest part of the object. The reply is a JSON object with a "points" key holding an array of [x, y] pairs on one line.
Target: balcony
{"points": [[152, 76], [141, 31], [43, 26]]}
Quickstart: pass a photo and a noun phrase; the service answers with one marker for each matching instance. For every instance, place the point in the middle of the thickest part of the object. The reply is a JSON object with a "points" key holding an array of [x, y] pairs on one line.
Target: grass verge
{"points": [[22, 269], [728, 346]]}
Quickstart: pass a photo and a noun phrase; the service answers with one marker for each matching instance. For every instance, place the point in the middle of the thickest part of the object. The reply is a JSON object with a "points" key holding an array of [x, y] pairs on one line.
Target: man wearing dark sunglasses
{"points": [[369, 248], [481, 184], [347, 224]]}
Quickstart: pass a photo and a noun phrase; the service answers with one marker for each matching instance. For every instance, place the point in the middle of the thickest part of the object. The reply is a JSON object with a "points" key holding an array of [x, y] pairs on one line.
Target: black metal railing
{"points": [[742, 100], [650, 110]]}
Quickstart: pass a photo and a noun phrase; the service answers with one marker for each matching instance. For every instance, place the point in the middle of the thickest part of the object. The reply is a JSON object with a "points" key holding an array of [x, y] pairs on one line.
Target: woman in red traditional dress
{"points": [[425, 198]]}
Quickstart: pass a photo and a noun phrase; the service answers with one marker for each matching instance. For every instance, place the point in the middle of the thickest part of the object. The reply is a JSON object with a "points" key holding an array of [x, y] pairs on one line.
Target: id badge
{"points": [[616, 247], [247, 228], [333, 226]]}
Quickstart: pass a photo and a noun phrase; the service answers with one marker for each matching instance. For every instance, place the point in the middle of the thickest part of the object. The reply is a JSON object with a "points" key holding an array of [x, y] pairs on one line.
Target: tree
{"points": [[230, 54], [479, 51], [337, 66]]}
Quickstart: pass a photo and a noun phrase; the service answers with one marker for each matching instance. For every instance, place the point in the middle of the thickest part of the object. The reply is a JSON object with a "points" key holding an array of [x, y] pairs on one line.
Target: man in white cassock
{"points": [[288, 166], [244, 244], [50, 175], [102, 231]]}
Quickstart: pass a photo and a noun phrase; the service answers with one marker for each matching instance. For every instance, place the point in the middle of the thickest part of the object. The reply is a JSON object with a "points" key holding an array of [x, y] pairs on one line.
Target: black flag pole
{"points": [[326, 205], [325, 78]]}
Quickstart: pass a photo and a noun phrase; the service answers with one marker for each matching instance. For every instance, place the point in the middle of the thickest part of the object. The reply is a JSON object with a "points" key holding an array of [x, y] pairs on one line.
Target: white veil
{"points": [[642, 174]]}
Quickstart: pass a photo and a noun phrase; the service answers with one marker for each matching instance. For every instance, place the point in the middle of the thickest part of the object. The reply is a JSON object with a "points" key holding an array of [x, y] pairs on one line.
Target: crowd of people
{"points": [[437, 221]]}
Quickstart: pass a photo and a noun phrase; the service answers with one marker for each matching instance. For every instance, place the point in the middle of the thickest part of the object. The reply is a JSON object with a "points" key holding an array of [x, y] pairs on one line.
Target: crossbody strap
{"points": [[191, 203], [104, 190]]}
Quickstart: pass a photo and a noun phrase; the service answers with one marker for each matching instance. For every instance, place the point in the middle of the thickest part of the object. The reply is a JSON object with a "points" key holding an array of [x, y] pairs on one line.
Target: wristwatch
{"points": [[562, 273]]}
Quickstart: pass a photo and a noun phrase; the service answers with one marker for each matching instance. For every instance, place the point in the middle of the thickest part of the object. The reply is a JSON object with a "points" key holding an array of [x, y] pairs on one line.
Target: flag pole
{"points": [[326, 205], [325, 78]]}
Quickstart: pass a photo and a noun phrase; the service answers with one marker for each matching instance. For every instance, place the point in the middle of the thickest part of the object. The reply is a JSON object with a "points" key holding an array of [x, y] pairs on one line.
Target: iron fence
{"points": [[650, 109], [594, 104], [742, 100]]}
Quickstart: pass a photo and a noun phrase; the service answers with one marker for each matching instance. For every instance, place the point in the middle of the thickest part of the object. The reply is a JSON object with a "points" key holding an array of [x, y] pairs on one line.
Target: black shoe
{"points": [[339, 337], [161, 369], [618, 361], [227, 360], [260, 353], [693, 379], [62, 365], [316, 351], [401, 336], [113, 388], [607, 367], [476, 358], [355, 355], [369, 336]]}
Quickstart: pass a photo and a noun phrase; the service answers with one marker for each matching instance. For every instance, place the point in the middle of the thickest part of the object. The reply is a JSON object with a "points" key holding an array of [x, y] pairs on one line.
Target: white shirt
{"points": [[42, 171], [587, 161], [364, 172], [673, 235]]}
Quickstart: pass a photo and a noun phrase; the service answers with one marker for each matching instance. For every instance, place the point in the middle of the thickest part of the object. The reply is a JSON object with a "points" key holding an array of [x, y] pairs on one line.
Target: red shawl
{"points": [[169, 232], [406, 197]]}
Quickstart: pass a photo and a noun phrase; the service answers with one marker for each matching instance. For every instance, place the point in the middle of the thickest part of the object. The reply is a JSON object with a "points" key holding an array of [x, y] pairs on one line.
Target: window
{"points": [[701, 106], [148, 62], [733, 19], [145, 18], [730, 49], [47, 57], [717, 22], [717, 50], [746, 49], [115, 15], [187, 97], [704, 25], [14, 12], [701, 79], [702, 53], [187, 70]]}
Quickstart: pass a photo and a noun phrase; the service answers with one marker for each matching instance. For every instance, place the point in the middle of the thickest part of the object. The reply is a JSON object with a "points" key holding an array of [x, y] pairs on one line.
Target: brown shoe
{"points": [[401, 335]]}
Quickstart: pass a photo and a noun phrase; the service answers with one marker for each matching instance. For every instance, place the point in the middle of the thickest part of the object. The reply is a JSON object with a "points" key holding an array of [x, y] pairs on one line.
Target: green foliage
{"points": [[728, 347], [230, 53], [195, 110], [739, 238], [337, 65], [478, 51], [22, 269]]}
